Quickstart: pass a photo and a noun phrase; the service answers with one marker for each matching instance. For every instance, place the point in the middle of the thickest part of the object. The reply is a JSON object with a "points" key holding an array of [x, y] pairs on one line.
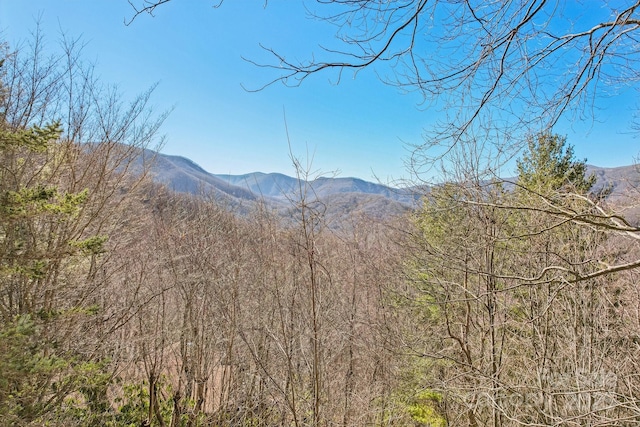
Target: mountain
{"points": [[623, 185], [341, 196], [621, 181], [185, 176], [283, 187], [272, 185]]}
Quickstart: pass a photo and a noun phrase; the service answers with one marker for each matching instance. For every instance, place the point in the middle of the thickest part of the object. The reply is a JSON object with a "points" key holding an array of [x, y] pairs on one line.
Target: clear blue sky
{"points": [[358, 127]]}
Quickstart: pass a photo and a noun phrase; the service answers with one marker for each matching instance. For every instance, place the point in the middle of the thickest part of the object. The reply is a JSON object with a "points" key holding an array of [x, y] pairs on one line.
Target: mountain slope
{"points": [[621, 181], [183, 175], [284, 187], [341, 196]]}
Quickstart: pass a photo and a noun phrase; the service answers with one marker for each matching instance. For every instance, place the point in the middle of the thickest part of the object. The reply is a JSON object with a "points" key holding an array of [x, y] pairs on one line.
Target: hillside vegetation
{"points": [[127, 303]]}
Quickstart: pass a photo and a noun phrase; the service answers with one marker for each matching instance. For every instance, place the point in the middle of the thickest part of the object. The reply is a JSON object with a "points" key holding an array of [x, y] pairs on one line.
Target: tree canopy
{"points": [[548, 165]]}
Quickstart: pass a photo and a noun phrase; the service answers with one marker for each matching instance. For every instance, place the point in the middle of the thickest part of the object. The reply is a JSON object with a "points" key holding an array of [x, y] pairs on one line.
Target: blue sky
{"points": [[359, 127]]}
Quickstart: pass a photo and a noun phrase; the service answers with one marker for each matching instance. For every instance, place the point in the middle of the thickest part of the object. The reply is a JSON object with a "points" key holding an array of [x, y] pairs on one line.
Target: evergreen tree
{"points": [[549, 165]]}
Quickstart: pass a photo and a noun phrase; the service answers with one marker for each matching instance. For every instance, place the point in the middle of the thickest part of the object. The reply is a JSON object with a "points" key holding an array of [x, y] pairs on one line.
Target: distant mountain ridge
{"points": [[620, 180], [340, 195], [281, 186]]}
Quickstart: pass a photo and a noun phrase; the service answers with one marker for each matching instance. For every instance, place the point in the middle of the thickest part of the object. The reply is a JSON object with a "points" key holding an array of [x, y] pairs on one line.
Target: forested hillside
{"points": [[345, 196], [126, 303]]}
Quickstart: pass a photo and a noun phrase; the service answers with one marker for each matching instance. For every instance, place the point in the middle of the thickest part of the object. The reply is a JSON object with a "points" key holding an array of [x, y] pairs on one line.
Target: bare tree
{"points": [[520, 300], [65, 161]]}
